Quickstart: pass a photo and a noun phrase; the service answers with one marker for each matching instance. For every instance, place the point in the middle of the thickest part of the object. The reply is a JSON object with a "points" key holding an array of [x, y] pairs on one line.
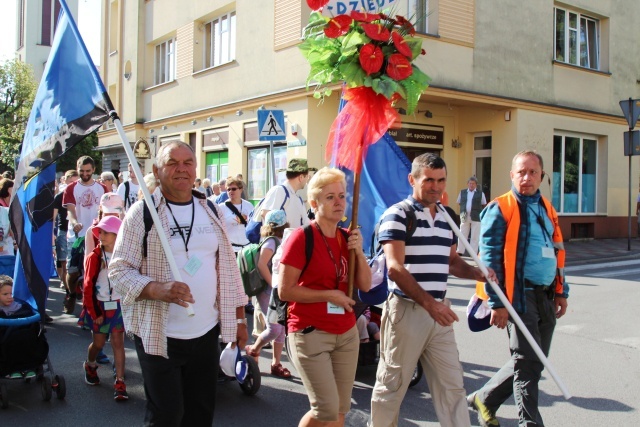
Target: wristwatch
{"points": [[242, 321]]}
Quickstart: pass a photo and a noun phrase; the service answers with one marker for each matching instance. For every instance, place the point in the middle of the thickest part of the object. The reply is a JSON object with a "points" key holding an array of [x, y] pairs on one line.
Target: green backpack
{"points": [[248, 265]]}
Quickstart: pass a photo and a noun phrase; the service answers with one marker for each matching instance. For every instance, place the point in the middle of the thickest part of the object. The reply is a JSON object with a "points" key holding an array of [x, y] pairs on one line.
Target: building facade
{"points": [[36, 24], [505, 77]]}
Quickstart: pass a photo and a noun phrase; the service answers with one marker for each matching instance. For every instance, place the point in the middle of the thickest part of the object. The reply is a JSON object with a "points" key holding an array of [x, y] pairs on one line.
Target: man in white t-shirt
{"points": [[297, 178], [178, 354], [129, 190], [81, 199]]}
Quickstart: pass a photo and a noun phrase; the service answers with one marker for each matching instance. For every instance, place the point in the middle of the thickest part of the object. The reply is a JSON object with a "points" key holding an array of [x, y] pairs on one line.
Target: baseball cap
{"points": [[298, 165], [110, 224], [478, 314], [228, 359], [276, 218], [111, 203]]}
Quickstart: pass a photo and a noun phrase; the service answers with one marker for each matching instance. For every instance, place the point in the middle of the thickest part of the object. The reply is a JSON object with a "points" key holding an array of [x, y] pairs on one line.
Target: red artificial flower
{"points": [[406, 25], [423, 52], [371, 58], [400, 44], [317, 4], [376, 32], [364, 16], [398, 67], [338, 26]]}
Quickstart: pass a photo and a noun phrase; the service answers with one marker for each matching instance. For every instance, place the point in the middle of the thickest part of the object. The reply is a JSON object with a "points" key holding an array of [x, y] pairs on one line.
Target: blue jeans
{"points": [[181, 390]]}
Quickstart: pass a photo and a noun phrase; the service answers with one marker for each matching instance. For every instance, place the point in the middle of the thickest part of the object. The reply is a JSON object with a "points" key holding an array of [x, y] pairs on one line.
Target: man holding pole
{"points": [[178, 353], [417, 318], [521, 240]]}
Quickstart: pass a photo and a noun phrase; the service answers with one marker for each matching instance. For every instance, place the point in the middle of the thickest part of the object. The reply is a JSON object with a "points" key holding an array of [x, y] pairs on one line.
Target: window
{"points": [[50, 13], [165, 62], [574, 173], [418, 11], [577, 39], [219, 40]]}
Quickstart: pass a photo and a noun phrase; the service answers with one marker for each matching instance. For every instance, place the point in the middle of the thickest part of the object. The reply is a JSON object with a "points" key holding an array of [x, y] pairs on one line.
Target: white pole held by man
{"points": [[514, 316]]}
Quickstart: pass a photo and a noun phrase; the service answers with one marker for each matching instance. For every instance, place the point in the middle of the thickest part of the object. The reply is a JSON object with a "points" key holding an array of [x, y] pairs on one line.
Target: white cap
{"points": [[228, 359]]}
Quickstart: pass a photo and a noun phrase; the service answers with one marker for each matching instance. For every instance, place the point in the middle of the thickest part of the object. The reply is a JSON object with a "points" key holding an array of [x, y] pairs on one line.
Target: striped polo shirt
{"points": [[427, 252]]}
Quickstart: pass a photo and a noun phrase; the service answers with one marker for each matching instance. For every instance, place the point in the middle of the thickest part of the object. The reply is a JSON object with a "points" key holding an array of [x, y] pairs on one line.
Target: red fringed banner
{"points": [[362, 122]]}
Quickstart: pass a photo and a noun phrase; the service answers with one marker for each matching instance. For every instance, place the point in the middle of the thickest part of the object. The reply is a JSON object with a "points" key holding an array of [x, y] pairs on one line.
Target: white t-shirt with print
{"points": [[86, 199], [203, 282], [103, 287], [133, 193]]}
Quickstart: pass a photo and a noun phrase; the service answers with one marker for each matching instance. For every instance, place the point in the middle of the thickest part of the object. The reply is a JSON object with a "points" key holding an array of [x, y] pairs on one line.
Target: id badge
{"points": [[192, 266], [111, 305], [334, 309], [548, 252]]}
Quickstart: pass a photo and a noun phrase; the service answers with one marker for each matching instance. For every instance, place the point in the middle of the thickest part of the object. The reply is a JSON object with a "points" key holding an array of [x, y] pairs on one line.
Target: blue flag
{"points": [[383, 182], [70, 104]]}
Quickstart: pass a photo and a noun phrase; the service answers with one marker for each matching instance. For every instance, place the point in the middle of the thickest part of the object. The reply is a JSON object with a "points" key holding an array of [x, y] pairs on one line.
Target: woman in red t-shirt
{"points": [[323, 338]]}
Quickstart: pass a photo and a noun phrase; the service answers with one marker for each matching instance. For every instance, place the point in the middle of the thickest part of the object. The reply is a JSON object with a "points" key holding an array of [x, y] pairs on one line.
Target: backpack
{"points": [[248, 258], [282, 307], [148, 221], [252, 230], [127, 202], [377, 262], [76, 259]]}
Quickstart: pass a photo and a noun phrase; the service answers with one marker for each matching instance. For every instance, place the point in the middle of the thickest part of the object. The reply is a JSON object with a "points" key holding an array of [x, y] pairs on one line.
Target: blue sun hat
{"points": [[276, 218]]}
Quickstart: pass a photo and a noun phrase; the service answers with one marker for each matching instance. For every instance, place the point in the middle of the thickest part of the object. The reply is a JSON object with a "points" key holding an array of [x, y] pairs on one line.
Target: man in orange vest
{"points": [[520, 239]]}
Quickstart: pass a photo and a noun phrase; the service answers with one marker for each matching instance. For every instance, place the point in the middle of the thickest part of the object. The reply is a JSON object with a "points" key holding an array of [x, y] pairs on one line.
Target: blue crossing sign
{"points": [[271, 125]]}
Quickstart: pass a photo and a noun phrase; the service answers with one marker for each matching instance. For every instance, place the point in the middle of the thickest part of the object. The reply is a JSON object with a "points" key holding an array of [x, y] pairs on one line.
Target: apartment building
{"points": [[36, 24], [506, 76]]}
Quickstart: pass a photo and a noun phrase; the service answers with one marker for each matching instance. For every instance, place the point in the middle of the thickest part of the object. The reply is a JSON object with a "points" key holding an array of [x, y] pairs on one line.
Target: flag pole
{"points": [[354, 220], [505, 301], [149, 201]]}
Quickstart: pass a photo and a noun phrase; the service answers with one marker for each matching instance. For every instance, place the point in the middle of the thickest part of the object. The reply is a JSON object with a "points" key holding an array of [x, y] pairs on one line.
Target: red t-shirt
{"points": [[319, 274]]}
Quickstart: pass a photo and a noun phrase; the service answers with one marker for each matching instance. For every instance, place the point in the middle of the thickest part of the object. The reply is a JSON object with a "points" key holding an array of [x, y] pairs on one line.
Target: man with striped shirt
{"points": [[417, 319]]}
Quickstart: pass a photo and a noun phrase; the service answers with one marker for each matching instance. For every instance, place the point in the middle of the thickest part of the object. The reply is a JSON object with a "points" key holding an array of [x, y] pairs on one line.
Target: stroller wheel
{"points": [[252, 382], [60, 387], [46, 389], [417, 375], [4, 397]]}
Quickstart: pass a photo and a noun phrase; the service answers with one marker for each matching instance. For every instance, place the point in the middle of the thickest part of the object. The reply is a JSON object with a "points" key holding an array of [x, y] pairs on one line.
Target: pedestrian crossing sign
{"points": [[271, 125]]}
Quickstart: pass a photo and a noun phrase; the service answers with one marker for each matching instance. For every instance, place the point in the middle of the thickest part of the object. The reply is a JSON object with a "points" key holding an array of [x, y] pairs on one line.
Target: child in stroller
{"points": [[10, 308]]}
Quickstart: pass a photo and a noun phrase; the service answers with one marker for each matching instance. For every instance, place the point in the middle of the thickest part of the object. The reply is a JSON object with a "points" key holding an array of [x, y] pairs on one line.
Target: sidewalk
{"points": [[580, 252]]}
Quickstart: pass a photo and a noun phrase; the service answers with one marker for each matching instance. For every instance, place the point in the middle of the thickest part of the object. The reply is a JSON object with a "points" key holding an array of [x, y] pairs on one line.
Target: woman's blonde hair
{"points": [[322, 178], [151, 182]]}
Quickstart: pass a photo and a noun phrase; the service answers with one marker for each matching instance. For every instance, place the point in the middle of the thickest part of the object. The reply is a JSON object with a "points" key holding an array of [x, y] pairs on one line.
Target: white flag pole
{"points": [[514, 316], [152, 209]]}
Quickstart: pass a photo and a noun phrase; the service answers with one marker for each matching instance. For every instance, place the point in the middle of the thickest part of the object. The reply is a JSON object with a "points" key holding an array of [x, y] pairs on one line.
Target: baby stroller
{"points": [[23, 348]]}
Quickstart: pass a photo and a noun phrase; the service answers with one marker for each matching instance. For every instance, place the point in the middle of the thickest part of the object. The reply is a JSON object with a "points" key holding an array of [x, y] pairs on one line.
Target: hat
{"points": [[379, 290], [276, 218], [478, 314], [298, 165], [228, 360], [111, 203], [110, 224]]}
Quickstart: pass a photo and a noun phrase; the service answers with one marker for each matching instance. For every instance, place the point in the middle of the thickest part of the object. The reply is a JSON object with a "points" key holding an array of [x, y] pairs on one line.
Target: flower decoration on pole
{"points": [[372, 54]]}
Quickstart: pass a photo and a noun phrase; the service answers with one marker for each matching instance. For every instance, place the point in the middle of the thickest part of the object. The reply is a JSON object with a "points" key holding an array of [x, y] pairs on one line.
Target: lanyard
{"points": [[335, 264], [106, 265], [184, 240], [540, 220]]}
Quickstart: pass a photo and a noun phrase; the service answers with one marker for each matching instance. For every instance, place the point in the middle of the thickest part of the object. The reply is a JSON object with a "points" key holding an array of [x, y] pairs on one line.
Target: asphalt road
{"points": [[595, 352]]}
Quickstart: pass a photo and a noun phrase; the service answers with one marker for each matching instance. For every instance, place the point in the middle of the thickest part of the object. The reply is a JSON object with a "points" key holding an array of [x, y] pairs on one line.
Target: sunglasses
{"points": [[232, 189]]}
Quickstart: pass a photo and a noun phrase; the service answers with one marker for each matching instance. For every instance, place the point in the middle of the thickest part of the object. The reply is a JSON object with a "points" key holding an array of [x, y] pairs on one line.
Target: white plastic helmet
{"points": [[228, 359]]}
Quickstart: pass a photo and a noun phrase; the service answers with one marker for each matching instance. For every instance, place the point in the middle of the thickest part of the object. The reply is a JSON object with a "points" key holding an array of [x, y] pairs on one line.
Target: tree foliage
{"points": [[17, 91]]}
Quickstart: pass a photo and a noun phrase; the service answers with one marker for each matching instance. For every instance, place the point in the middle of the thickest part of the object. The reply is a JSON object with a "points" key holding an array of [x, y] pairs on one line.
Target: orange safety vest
{"points": [[508, 205]]}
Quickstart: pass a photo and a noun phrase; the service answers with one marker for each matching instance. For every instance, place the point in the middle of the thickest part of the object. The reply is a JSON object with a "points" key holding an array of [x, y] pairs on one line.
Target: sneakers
{"points": [[486, 417], [91, 374], [69, 304], [102, 358], [120, 391], [15, 376], [29, 374]]}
